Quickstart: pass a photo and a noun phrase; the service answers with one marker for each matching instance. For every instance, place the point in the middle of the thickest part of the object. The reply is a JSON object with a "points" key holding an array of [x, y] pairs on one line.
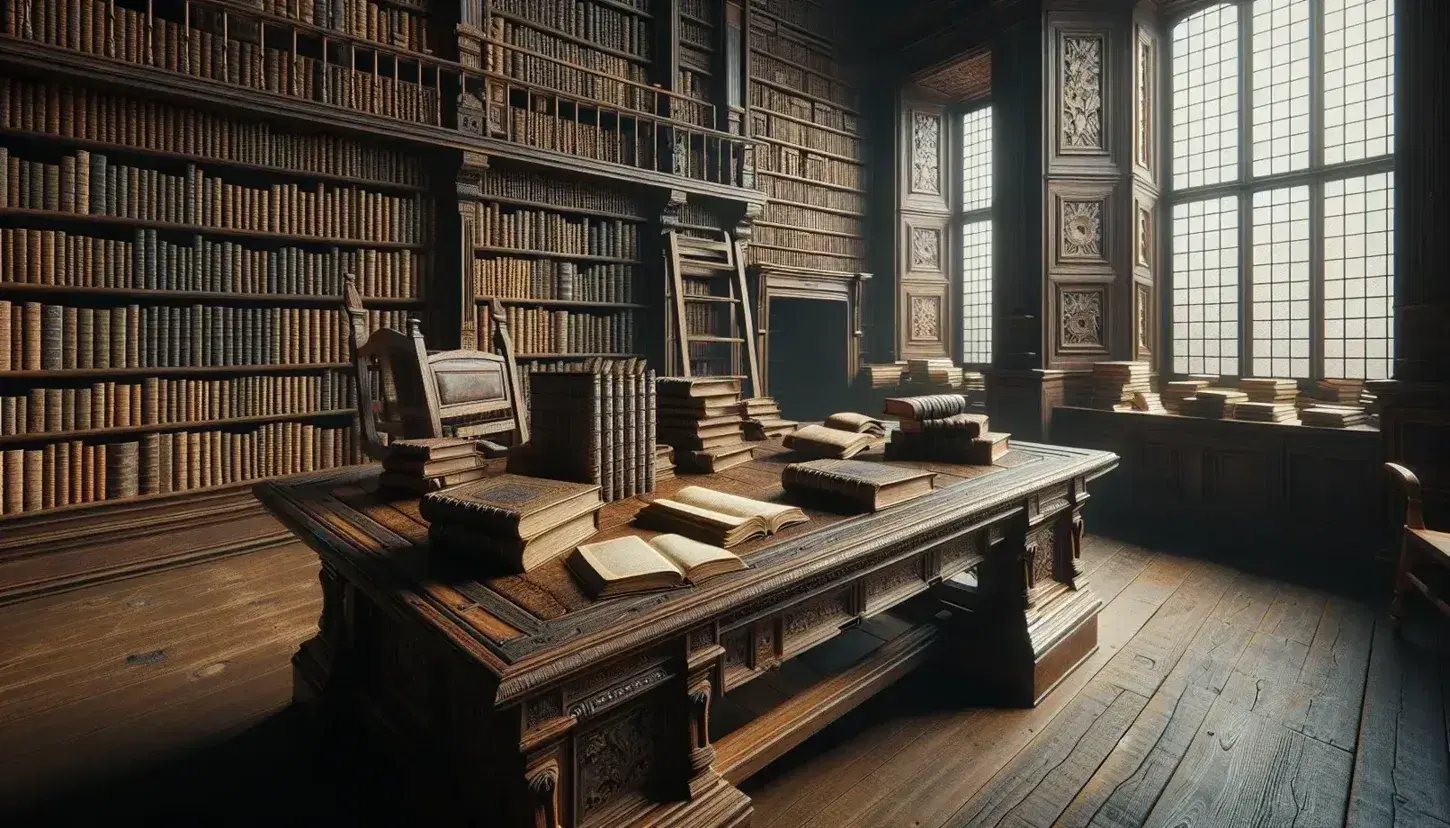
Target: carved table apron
{"points": [[528, 714]]}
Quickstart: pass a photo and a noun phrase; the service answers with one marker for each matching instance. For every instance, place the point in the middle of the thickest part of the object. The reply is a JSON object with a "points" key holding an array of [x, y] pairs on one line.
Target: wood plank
{"points": [[1327, 699], [927, 782]]}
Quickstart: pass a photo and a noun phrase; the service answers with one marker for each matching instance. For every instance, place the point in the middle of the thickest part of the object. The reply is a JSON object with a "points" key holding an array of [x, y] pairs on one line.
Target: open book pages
{"points": [[716, 517], [632, 564], [815, 441], [856, 484], [859, 423]]}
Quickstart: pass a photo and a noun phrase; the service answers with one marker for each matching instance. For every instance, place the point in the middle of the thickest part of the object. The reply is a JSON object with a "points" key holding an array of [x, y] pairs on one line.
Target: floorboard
{"points": [[1217, 698]]}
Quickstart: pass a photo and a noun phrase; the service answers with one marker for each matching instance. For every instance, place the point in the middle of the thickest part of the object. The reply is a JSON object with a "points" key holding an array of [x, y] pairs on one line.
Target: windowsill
{"points": [[1225, 423]]}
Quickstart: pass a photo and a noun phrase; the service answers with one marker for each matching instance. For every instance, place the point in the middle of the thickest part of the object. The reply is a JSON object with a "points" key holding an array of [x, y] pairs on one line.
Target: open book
{"points": [[817, 442], [716, 517], [632, 564], [858, 423]]}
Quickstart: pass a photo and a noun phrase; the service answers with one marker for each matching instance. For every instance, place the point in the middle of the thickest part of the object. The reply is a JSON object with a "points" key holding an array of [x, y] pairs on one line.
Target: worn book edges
{"points": [[716, 517], [513, 554], [673, 388], [930, 406], [511, 505], [712, 460], [815, 441], [857, 484], [859, 423], [958, 425], [632, 564]]}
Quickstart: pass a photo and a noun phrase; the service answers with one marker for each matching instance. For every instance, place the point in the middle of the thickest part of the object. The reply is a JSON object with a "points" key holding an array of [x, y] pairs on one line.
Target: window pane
{"points": [[977, 160], [1359, 227], [1359, 79], [1206, 287], [1280, 86], [977, 292], [1206, 97], [1279, 283]]}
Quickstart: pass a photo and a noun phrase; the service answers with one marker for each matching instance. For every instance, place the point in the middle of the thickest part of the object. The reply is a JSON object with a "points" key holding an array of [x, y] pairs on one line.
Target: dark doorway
{"points": [[807, 357]]}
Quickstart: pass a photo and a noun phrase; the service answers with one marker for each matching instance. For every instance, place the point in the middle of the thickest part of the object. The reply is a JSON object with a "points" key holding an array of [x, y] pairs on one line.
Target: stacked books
{"points": [[1214, 403], [1339, 391], [887, 375], [595, 425], [762, 419], [1115, 383], [855, 484], [510, 522], [1269, 400], [1177, 391], [700, 418], [430, 464], [940, 427], [934, 371], [1333, 416], [1149, 402], [664, 463]]}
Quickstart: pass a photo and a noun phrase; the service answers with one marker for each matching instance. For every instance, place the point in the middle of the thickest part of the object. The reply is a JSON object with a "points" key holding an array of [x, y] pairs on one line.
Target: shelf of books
{"points": [[170, 288], [809, 160], [699, 45], [562, 256]]}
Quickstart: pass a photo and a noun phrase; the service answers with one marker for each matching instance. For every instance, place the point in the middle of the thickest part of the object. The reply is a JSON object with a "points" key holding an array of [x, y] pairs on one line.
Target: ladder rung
{"points": [[699, 298], [724, 267], [703, 338], [703, 244]]}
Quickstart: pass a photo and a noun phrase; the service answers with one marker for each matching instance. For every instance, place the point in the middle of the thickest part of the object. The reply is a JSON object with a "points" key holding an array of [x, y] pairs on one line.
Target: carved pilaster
{"points": [[468, 186], [543, 780], [702, 754]]}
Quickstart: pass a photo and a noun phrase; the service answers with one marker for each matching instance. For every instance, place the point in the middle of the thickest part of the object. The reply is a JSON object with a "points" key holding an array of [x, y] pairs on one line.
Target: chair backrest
{"points": [[1411, 486], [405, 392]]}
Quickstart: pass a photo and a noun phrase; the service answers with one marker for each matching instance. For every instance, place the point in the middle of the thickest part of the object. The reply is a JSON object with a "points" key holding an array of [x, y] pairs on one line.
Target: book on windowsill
{"points": [[503, 553], [820, 442], [859, 423], [859, 485], [722, 519], [631, 564]]}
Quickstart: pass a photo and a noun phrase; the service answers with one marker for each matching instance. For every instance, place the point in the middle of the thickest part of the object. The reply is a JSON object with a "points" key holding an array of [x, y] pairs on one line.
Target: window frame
{"points": [[960, 218], [1314, 176]]}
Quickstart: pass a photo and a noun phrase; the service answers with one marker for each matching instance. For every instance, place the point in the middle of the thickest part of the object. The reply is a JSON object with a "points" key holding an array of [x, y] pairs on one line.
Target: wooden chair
{"points": [[1418, 546], [405, 392]]}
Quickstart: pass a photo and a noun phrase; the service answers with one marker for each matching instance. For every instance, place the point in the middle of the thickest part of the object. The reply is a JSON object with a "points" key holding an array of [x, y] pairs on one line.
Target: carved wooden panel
{"points": [[1081, 112], [1082, 318], [815, 621], [926, 318], [894, 584], [615, 760], [1081, 226], [957, 554], [923, 246], [968, 79], [925, 249], [924, 157], [1145, 103], [927, 145]]}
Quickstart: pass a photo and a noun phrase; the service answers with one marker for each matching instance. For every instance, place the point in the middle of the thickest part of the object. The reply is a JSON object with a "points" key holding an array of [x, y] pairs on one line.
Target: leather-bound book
{"points": [[511, 505], [959, 425], [718, 518], [820, 442], [856, 484], [859, 423], [122, 470], [931, 406]]}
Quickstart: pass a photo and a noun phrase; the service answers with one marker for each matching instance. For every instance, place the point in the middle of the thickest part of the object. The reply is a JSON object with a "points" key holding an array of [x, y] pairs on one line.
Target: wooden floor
{"points": [[1217, 698]]}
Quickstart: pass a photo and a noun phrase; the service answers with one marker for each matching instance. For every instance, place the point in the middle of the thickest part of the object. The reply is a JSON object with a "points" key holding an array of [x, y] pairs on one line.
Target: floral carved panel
{"points": [[926, 249], [1144, 246], [1143, 320], [1082, 229], [925, 153], [1081, 318], [615, 759], [1143, 127], [1081, 106], [926, 318]]}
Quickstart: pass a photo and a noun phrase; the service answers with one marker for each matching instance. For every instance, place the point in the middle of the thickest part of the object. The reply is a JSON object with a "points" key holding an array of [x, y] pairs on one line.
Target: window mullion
{"points": [[1316, 189], [1245, 177]]}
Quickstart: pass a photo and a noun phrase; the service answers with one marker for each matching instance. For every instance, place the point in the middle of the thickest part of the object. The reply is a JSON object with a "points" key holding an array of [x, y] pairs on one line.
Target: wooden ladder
{"points": [[686, 256]]}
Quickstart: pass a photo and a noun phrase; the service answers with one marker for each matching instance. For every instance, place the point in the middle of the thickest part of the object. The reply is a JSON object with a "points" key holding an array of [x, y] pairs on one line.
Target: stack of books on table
{"points": [[430, 464], [1214, 403], [595, 425], [762, 420], [700, 418], [1115, 383], [1269, 400], [940, 427], [1333, 416], [1175, 392], [885, 375], [664, 463], [509, 522]]}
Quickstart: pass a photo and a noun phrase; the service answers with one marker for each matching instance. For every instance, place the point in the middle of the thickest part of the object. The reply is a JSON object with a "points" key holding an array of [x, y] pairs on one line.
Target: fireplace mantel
{"points": [[781, 282]]}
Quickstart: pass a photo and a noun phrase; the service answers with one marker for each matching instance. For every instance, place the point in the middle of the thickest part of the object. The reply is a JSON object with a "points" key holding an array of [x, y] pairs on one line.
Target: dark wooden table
{"points": [[524, 703]]}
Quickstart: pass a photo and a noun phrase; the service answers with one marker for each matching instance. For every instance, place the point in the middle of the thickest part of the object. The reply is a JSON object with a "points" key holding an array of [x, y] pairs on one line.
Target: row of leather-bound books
{"points": [[163, 401], [806, 241], [808, 219], [765, 124], [805, 164], [149, 262], [87, 183], [563, 193], [804, 192], [805, 259], [819, 84], [47, 337], [497, 225], [509, 278], [594, 22], [596, 425], [540, 128], [199, 42], [781, 102], [515, 53], [75, 472], [86, 114], [545, 331]]}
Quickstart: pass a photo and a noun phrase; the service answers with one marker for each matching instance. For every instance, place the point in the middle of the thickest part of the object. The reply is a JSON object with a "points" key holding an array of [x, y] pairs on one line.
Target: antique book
{"points": [[514, 554], [632, 564], [675, 388], [860, 423], [511, 505], [431, 449], [965, 425], [821, 442], [716, 517], [712, 460], [858, 484], [435, 468], [931, 406]]}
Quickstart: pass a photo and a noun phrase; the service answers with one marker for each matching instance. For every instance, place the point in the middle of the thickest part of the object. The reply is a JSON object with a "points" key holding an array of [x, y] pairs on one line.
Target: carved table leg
{"points": [[315, 665]]}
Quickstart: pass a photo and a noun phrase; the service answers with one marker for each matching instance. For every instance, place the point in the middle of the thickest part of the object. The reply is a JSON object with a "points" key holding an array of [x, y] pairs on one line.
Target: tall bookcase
{"points": [[811, 143]]}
